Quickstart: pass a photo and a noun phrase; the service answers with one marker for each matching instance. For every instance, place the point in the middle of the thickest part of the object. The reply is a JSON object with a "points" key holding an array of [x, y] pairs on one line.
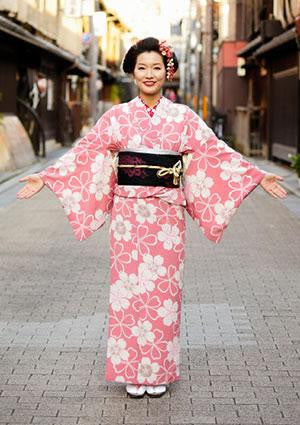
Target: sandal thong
{"points": [[156, 390], [135, 391]]}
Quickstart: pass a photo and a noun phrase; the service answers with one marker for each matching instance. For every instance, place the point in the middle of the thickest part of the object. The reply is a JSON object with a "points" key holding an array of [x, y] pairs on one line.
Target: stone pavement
{"points": [[240, 334]]}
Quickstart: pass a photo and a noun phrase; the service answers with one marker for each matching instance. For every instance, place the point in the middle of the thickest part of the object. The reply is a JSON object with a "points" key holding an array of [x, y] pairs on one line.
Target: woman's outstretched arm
{"points": [[82, 179], [218, 178]]}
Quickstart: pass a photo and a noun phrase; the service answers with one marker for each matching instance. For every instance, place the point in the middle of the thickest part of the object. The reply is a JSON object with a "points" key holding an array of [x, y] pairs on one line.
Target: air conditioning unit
{"points": [[270, 28]]}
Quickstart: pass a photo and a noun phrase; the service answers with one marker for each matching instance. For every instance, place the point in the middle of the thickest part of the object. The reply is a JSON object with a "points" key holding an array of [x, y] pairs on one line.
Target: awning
{"points": [[108, 75], [250, 46], [17, 31], [257, 48], [102, 68], [276, 42]]}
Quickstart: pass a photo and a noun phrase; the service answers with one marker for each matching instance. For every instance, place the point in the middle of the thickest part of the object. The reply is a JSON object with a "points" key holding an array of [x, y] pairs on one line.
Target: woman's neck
{"points": [[150, 100]]}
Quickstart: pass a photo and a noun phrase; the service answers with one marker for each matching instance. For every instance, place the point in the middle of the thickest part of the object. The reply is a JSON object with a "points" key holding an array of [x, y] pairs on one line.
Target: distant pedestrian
{"points": [[144, 163]]}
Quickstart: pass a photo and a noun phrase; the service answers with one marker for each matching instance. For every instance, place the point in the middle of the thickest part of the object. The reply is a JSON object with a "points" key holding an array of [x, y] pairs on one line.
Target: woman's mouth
{"points": [[149, 83]]}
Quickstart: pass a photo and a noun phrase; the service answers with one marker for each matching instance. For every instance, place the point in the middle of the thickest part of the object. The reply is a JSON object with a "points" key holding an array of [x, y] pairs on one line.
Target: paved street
{"points": [[240, 329]]}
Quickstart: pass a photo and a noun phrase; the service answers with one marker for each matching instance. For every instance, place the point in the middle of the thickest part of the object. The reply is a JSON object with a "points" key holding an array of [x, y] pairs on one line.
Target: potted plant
{"points": [[295, 163]]}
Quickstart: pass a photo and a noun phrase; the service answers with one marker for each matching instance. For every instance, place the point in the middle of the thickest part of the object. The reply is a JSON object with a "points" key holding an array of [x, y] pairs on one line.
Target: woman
{"points": [[143, 163]]}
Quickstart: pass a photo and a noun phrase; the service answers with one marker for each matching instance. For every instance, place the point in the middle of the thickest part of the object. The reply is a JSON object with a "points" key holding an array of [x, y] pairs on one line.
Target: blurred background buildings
{"points": [[60, 69]]}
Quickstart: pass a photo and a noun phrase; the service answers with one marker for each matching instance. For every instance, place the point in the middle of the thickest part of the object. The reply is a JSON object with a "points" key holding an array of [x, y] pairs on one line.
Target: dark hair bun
{"points": [[148, 44]]}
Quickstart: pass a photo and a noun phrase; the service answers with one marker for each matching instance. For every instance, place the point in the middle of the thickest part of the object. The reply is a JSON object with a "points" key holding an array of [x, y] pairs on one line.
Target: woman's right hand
{"points": [[34, 185]]}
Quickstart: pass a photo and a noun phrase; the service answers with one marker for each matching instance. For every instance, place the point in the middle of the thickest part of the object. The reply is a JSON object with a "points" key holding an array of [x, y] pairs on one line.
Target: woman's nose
{"points": [[149, 72]]}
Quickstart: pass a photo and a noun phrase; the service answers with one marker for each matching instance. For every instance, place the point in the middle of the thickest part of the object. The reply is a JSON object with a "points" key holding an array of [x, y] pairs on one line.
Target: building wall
{"points": [[286, 11], [231, 89], [8, 89], [47, 17], [227, 20]]}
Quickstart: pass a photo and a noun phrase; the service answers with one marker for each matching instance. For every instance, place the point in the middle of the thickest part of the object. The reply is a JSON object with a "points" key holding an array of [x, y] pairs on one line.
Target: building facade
{"points": [[258, 75], [40, 48], [49, 55]]}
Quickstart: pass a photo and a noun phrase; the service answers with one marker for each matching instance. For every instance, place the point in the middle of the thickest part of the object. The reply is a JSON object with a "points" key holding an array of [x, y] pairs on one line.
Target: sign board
{"points": [[241, 71]]}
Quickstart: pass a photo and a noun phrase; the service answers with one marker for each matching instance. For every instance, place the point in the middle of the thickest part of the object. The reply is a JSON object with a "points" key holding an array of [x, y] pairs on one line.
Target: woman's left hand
{"points": [[271, 186]]}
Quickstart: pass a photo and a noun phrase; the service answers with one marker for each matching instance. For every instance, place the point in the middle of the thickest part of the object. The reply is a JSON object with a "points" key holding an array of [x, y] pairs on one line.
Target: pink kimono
{"points": [[147, 225]]}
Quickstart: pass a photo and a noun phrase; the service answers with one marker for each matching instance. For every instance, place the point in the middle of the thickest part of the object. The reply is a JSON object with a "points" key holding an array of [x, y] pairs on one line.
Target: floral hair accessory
{"points": [[166, 50]]}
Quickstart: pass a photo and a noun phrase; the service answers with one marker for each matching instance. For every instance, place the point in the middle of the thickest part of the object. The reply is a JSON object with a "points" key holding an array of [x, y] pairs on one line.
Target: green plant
{"points": [[114, 92], [295, 162]]}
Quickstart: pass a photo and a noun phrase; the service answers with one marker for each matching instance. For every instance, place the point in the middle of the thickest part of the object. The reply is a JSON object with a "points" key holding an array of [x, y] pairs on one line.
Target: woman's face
{"points": [[149, 72]]}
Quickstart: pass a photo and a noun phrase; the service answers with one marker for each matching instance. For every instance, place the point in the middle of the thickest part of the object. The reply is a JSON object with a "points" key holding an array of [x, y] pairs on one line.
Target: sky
{"points": [[149, 17]]}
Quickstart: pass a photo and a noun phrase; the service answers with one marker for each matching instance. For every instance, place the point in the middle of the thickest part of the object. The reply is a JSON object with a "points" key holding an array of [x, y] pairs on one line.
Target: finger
{"points": [[25, 191], [279, 177], [280, 194], [26, 178], [25, 188], [29, 177], [28, 194], [21, 192], [273, 193], [280, 190], [276, 194], [22, 195]]}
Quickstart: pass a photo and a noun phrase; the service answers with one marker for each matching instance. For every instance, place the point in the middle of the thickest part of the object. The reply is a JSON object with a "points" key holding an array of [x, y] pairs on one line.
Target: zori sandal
{"points": [[135, 391], [156, 390]]}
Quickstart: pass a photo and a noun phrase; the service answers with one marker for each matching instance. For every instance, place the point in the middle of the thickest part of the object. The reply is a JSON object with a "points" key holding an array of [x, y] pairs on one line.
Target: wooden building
{"points": [[272, 61]]}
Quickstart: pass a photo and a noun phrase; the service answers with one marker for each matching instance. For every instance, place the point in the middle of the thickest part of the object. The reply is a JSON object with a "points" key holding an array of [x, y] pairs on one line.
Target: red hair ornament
{"points": [[166, 50]]}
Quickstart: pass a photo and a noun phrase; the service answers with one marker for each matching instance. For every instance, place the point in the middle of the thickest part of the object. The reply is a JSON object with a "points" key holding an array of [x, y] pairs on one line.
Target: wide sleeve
{"points": [[83, 179], [216, 177]]}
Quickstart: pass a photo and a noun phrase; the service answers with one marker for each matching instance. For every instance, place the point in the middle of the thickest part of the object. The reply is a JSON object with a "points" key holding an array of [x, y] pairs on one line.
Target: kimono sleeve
{"points": [[216, 177], [83, 179]]}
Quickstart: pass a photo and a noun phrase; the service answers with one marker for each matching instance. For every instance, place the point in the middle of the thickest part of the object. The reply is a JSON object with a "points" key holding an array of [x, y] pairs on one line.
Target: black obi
{"points": [[138, 171]]}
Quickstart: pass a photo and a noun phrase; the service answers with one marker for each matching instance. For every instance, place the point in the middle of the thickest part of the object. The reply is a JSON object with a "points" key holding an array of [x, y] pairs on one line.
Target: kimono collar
{"points": [[162, 104], [150, 109]]}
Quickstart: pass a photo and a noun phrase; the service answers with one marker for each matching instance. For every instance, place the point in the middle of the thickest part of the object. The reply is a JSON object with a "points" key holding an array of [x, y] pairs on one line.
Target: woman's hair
{"points": [[148, 44]]}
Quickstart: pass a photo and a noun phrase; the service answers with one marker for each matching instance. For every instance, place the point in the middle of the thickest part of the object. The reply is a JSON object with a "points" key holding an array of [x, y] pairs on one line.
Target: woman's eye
{"points": [[141, 68]]}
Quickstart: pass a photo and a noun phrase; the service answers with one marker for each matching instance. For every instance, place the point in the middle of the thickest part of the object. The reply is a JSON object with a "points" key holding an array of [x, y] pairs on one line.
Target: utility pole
{"points": [[208, 63], [93, 61], [198, 57], [187, 76]]}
